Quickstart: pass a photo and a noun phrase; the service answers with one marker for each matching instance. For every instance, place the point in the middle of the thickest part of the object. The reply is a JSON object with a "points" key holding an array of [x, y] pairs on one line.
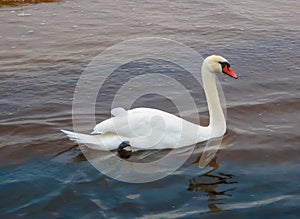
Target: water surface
{"points": [[45, 47]]}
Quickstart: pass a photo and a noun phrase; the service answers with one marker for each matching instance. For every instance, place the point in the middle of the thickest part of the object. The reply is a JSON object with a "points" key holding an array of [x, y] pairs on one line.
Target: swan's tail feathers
{"points": [[92, 141]]}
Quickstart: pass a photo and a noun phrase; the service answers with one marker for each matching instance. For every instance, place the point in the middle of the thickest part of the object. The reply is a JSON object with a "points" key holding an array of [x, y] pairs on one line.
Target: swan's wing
{"points": [[132, 123], [109, 124], [127, 124], [150, 128], [119, 111]]}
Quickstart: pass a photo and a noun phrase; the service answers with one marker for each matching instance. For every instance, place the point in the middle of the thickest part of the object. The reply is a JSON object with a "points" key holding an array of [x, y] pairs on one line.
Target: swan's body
{"points": [[146, 128]]}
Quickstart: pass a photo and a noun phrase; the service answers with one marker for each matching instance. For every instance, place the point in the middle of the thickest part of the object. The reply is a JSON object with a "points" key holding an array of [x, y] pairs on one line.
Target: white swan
{"points": [[146, 128]]}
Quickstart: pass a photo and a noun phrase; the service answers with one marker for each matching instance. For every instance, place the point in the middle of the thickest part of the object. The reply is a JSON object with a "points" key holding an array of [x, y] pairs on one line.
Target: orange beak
{"points": [[227, 71]]}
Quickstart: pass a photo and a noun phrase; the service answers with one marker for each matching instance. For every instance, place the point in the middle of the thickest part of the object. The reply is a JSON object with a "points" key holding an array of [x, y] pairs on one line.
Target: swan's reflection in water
{"points": [[208, 184]]}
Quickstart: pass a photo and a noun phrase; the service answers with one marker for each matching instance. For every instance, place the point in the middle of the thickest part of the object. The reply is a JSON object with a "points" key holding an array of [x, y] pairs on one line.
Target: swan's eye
{"points": [[226, 70], [224, 64]]}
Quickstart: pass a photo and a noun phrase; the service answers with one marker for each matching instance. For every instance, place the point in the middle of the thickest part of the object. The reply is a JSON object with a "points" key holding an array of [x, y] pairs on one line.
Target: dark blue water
{"points": [[54, 189]]}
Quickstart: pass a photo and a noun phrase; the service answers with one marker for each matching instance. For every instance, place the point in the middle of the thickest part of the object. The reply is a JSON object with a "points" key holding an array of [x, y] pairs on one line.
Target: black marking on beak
{"points": [[223, 64]]}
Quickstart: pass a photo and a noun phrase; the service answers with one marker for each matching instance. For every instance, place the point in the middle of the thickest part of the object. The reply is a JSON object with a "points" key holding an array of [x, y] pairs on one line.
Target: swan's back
{"points": [[151, 128]]}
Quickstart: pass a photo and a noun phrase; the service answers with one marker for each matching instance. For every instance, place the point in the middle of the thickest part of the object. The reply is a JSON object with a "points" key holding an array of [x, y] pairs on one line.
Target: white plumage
{"points": [[147, 128]]}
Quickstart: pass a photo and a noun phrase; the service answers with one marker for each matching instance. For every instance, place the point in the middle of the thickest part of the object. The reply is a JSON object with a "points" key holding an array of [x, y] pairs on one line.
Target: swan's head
{"points": [[218, 64]]}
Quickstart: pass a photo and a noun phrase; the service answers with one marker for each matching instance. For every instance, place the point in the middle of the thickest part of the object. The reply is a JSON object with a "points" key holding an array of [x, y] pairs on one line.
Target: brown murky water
{"points": [[45, 47]]}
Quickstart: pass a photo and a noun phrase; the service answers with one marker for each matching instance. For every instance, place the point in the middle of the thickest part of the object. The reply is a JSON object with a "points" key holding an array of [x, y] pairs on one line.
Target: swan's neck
{"points": [[217, 123]]}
